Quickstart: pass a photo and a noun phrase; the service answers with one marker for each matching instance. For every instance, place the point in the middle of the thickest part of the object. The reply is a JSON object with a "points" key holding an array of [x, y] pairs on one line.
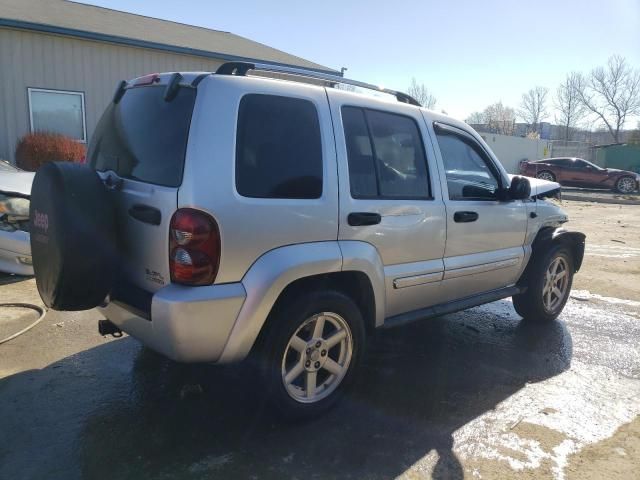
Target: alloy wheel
{"points": [[626, 185], [317, 357], [556, 283], [545, 176]]}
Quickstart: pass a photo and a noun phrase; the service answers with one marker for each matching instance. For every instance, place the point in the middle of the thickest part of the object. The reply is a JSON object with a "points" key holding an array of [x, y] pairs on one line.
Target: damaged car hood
{"points": [[15, 192], [16, 183], [541, 188]]}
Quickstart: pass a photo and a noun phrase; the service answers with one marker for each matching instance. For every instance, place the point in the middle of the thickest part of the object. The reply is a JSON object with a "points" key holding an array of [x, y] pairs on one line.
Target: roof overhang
{"points": [[132, 42]]}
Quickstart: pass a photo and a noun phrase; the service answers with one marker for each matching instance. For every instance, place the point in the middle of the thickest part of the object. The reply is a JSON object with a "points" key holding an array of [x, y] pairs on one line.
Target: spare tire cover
{"points": [[73, 236]]}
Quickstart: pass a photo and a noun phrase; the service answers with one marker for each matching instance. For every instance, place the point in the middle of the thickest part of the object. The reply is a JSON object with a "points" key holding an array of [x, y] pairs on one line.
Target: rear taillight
{"points": [[194, 248]]}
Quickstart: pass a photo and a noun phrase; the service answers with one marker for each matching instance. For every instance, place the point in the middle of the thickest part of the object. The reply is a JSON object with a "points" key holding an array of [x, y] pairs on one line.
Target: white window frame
{"points": [[64, 92]]}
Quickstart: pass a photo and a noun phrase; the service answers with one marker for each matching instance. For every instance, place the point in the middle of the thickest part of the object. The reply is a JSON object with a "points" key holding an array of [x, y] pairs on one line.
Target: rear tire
{"points": [[626, 185], [546, 175], [310, 353], [549, 286]]}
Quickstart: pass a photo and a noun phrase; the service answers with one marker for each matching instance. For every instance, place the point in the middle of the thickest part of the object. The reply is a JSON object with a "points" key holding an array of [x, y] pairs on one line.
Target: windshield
{"points": [[593, 165], [144, 137]]}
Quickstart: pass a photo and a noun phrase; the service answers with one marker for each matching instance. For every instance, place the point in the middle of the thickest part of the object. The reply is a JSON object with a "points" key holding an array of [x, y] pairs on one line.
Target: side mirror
{"points": [[519, 189]]}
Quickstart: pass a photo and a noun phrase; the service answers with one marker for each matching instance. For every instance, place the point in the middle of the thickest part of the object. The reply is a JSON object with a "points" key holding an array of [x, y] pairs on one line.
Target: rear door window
{"points": [[278, 148], [385, 154], [560, 162], [580, 164], [143, 137]]}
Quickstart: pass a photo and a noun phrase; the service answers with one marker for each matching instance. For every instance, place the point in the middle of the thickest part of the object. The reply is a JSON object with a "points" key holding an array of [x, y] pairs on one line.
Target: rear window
{"points": [[144, 137], [560, 162]]}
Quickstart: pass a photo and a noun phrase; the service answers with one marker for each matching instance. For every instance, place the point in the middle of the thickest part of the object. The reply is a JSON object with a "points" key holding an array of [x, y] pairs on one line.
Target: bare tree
{"points": [[634, 136], [500, 119], [476, 118], [533, 107], [612, 93], [570, 110], [421, 94]]}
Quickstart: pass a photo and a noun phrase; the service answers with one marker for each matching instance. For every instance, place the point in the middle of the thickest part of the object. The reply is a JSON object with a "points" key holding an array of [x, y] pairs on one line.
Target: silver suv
{"points": [[244, 215]]}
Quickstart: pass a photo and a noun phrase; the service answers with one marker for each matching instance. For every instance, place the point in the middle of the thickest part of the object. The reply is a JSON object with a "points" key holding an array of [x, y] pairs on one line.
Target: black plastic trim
{"points": [[361, 219], [450, 307], [543, 241], [120, 90], [132, 298], [146, 214]]}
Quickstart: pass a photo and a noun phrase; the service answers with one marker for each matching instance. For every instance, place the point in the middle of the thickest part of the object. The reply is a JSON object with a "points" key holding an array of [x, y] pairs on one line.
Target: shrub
{"points": [[35, 149]]}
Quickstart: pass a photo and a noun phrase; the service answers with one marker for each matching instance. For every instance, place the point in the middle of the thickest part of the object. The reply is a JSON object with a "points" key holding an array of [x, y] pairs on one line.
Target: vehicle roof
{"points": [[556, 158], [372, 98], [372, 95]]}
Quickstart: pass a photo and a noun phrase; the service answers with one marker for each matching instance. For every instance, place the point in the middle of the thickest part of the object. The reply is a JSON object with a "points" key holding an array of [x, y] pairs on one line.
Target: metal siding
{"points": [[29, 59], [4, 88], [94, 23]]}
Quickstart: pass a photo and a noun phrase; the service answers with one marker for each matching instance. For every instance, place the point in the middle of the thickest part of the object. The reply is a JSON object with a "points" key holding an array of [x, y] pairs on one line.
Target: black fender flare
{"points": [[549, 236]]}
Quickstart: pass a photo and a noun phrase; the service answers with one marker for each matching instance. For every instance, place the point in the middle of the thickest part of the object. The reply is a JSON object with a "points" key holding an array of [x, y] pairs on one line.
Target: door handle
{"points": [[146, 214], [113, 182], [360, 219], [465, 217]]}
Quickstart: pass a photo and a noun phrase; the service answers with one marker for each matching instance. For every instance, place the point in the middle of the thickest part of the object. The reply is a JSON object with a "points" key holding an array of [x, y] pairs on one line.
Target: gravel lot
{"points": [[476, 394]]}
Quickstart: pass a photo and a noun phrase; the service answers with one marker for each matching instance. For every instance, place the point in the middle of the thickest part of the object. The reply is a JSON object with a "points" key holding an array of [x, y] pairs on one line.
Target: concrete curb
{"points": [[587, 198]]}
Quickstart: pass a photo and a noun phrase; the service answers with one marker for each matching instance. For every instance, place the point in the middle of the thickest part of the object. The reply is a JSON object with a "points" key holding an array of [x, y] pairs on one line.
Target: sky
{"points": [[468, 53]]}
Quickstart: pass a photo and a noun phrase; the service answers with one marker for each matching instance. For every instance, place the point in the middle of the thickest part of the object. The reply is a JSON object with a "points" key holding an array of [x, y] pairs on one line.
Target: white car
{"points": [[15, 191]]}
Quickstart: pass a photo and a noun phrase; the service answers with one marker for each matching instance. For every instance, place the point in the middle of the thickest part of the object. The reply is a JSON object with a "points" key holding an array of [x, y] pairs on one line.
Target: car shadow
{"points": [[121, 411], [9, 278]]}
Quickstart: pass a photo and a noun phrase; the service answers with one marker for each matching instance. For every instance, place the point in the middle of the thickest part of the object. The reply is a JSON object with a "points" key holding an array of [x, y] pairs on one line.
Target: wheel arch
{"points": [[625, 175], [549, 236], [355, 284], [294, 269]]}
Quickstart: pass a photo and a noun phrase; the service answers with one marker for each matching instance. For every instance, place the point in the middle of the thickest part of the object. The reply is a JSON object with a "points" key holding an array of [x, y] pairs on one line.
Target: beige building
{"points": [[60, 62]]}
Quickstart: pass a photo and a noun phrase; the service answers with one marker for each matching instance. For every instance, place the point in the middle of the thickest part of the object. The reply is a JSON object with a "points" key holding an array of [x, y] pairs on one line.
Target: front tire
{"points": [[314, 344], [549, 286], [626, 185]]}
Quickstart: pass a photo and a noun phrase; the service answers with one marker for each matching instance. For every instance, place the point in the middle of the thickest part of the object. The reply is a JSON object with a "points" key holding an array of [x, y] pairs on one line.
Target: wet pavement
{"points": [[475, 394]]}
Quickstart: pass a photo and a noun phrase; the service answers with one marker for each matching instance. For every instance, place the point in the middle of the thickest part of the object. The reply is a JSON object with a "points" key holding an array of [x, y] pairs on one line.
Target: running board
{"points": [[450, 307]]}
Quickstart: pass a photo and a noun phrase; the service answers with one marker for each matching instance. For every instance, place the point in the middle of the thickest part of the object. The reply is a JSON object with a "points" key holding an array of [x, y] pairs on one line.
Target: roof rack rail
{"points": [[241, 68]]}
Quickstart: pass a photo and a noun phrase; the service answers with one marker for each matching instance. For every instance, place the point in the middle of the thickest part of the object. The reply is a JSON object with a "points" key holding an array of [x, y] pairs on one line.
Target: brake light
{"points": [[194, 247], [147, 79]]}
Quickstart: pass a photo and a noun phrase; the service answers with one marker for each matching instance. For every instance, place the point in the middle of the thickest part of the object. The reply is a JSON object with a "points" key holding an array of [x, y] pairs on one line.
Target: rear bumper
{"points": [[15, 253], [188, 324]]}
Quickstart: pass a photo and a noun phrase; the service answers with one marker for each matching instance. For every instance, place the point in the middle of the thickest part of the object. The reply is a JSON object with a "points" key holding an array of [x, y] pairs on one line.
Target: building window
{"points": [[57, 111]]}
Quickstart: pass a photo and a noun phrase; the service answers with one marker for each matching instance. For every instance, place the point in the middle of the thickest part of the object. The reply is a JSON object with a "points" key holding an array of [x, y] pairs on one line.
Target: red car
{"points": [[576, 172]]}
